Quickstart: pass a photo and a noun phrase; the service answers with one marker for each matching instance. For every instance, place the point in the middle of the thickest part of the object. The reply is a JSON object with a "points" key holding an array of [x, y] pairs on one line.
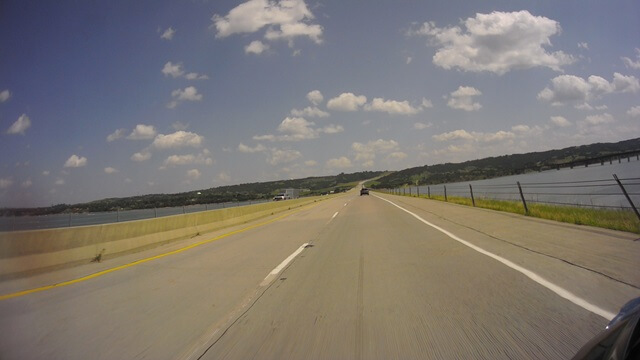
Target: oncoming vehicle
{"points": [[364, 191], [280, 197]]}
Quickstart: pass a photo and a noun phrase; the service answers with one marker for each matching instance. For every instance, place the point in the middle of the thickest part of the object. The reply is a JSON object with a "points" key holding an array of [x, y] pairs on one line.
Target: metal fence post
{"points": [[473, 201], [429, 192], [118, 215], [155, 212], [445, 193], [624, 191], [526, 209], [418, 191]]}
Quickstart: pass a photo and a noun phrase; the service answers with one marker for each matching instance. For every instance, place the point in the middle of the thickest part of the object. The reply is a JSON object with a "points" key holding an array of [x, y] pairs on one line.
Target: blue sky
{"points": [[117, 98]]}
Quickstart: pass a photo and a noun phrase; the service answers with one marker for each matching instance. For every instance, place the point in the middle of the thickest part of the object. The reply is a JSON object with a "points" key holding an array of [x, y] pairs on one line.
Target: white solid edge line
{"points": [[566, 294], [282, 265], [334, 215]]}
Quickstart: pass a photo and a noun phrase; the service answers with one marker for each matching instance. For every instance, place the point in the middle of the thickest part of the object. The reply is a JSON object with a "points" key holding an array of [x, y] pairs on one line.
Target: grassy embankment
{"points": [[623, 220]]}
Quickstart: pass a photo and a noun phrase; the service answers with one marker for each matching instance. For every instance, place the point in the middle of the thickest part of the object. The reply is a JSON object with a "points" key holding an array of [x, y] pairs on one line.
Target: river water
{"points": [[584, 186]]}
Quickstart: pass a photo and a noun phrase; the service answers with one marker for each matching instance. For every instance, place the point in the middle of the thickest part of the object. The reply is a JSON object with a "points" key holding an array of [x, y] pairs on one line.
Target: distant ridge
{"points": [[506, 165]]}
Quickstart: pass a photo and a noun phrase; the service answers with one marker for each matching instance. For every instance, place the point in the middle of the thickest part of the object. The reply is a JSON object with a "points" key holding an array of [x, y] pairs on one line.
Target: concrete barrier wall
{"points": [[24, 252]]}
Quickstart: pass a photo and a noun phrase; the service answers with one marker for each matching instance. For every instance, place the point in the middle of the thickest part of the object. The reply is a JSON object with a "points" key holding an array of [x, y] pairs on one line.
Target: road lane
{"points": [[380, 284], [156, 309], [373, 283]]}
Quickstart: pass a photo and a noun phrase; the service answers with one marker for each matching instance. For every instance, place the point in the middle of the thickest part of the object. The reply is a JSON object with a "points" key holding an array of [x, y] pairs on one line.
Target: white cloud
{"points": [[75, 161], [497, 42], [426, 103], [599, 119], [409, 60], [422, 126], [196, 76], [634, 111], [367, 152], [110, 170], [26, 184], [5, 183], [5, 95], [392, 107], [118, 134], [179, 126], [188, 159], [298, 129], [190, 93], [310, 163], [279, 156], [193, 174], [173, 70], [573, 89], [20, 126], [462, 134], [141, 156], [284, 19], [309, 112], [224, 177], [168, 34], [315, 97], [46, 173], [347, 102], [247, 149], [583, 45], [633, 64], [177, 139], [59, 182], [331, 129], [398, 155], [339, 163], [463, 99], [560, 121], [142, 132], [256, 47]]}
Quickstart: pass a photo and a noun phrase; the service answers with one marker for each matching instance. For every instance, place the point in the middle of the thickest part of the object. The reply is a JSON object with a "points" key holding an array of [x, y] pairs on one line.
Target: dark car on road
{"points": [[364, 191]]}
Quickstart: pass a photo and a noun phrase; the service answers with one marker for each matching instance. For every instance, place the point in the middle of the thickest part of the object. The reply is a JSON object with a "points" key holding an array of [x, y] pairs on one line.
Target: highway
{"points": [[351, 277]]}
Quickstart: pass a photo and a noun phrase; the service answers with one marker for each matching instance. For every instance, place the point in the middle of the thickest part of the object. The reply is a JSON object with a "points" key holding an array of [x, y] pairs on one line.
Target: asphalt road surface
{"points": [[353, 277]]}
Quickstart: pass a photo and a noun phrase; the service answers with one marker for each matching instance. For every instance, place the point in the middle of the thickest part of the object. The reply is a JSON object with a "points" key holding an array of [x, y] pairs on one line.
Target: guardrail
{"points": [[614, 193]]}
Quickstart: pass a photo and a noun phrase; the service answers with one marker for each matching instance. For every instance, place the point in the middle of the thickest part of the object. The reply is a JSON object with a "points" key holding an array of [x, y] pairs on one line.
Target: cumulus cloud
{"points": [[497, 42], [347, 102], [168, 34], [193, 174], [224, 177], [177, 71], [366, 153], [422, 126], [75, 161], [462, 134], [141, 132], [20, 126], [248, 150], [256, 47], [141, 156], [5, 95], [284, 19], [560, 121], [110, 170], [397, 155], [118, 134], [339, 163], [595, 125], [5, 183], [298, 129], [392, 107], [26, 184], [202, 158], [173, 70], [599, 119], [279, 156], [583, 45], [463, 99], [574, 89], [632, 64], [310, 163], [634, 111], [315, 97], [309, 112], [190, 93], [177, 139]]}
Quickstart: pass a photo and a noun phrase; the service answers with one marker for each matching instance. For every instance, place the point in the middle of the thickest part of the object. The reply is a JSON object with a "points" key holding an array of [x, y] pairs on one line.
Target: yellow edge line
{"points": [[141, 261]]}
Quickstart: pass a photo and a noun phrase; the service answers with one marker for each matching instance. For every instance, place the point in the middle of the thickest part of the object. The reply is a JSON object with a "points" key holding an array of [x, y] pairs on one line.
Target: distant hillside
{"points": [[242, 192], [505, 165]]}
